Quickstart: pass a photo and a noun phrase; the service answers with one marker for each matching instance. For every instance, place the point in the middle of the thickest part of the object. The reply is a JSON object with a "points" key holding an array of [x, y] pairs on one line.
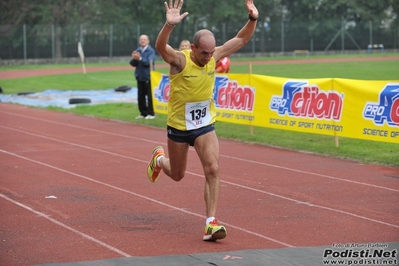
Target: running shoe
{"points": [[153, 170], [213, 231]]}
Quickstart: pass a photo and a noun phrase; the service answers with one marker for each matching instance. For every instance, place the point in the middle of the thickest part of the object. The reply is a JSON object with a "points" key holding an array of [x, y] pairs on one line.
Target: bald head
{"points": [[203, 47], [204, 37]]}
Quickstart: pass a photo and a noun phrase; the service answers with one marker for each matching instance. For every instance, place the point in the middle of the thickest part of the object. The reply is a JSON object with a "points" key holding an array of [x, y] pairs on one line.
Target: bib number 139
{"points": [[197, 115]]}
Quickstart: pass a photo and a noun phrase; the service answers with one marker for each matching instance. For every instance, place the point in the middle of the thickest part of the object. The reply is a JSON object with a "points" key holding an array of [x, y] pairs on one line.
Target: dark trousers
{"points": [[144, 98]]}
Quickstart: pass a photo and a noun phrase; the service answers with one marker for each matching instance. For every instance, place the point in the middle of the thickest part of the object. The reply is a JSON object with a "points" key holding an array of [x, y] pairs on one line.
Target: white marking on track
{"points": [[141, 196], [86, 236], [199, 175], [310, 173], [222, 181], [221, 155]]}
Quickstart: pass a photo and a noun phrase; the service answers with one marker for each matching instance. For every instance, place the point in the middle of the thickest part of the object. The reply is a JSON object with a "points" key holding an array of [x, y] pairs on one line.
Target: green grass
{"points": [[234, 59], [95, 80], [60, 66], [381, 70], [359, 150]]}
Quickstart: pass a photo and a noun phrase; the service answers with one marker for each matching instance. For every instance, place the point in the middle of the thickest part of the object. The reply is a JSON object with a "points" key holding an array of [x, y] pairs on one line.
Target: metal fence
{"points": [[55, 41]]}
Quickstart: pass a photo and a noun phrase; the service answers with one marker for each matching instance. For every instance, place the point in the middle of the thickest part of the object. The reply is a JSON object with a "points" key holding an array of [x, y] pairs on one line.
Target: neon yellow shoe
{"points": [[213, 231], [153, 170]]}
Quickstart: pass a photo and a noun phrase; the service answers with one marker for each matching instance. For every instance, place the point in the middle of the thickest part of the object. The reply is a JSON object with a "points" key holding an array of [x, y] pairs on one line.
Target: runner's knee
{"points": [[211, 170], [177, 176]]}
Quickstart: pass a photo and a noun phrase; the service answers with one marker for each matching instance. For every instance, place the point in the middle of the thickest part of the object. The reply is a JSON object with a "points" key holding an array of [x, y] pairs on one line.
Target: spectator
{"points": [[184, 45], [143, 59]]}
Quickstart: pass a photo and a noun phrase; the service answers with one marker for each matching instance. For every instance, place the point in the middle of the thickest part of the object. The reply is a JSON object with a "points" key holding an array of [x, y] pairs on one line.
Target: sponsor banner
{"points": [[300, 105], [235, 99], [371, 109], [337, 107], [160, 84]]}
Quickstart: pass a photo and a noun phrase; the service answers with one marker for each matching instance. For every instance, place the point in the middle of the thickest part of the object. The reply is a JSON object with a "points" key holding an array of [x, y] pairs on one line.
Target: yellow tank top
{"points": [[191, 103]]}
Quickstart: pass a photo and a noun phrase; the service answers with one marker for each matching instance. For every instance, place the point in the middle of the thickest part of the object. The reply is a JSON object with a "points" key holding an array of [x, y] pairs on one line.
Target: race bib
{"points": [[198, 114]]}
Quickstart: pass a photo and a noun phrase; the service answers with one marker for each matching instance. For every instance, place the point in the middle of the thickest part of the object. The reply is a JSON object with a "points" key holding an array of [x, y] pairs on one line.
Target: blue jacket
{"points": [[142, 71]]}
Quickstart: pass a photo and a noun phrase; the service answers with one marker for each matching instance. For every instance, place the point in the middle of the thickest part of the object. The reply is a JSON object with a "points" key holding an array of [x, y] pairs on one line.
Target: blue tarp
{"points": [[61, 98]]}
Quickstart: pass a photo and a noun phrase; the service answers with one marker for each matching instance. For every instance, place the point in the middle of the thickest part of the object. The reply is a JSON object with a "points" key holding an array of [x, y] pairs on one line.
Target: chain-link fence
{"points": [[55, 41]]}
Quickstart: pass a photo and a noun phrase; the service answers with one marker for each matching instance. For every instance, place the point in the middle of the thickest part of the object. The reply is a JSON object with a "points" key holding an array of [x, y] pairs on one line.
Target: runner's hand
{"points": [[173, 16], [252, 10]]}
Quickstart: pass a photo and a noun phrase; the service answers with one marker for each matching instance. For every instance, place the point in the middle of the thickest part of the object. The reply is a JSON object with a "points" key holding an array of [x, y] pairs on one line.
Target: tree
{"points": [[322, 19], [297, 20]]}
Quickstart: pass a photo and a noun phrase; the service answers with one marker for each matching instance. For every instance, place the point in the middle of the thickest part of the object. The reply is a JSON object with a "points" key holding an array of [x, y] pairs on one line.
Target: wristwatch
{"points": [[252, 18]]}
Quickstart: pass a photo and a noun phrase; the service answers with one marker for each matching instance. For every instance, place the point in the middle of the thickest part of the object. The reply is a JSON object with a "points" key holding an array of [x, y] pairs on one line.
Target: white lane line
{"points": [[316, 206], [222, 181], [310, 173], [73, 144], [84, 128], [142, 196], [120, 252], [229, 157]]}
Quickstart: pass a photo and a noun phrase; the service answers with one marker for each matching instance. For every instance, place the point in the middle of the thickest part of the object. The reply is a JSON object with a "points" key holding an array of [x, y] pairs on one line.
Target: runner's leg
{"points": [[207, 147], [175, 166]]}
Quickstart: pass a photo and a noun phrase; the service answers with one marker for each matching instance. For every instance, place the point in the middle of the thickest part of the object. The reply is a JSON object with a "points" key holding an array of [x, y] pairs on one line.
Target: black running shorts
{"points": [[190, 135]]}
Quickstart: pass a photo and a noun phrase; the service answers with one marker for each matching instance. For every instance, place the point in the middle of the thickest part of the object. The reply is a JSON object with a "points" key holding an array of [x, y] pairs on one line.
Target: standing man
{"points": [[191, 109], [143, 59]]}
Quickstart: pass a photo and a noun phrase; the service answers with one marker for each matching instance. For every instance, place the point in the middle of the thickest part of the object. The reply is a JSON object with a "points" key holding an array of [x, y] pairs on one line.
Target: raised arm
{"points": [[173, 18], [243, 36]]}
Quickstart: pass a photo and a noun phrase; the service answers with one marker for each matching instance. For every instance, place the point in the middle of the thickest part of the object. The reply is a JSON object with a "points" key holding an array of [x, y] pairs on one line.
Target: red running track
{"points": [[74, 188]]}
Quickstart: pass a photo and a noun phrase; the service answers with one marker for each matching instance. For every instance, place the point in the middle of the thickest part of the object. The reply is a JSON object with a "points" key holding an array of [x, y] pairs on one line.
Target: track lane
{"points": [[244, 204]]}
